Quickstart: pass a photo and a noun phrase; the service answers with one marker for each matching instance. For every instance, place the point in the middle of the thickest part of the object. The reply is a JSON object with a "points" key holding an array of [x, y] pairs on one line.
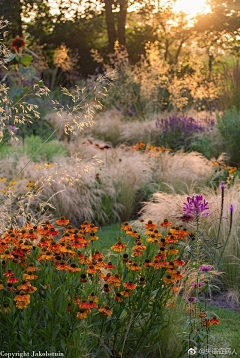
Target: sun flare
{"points": [[191, 7]]}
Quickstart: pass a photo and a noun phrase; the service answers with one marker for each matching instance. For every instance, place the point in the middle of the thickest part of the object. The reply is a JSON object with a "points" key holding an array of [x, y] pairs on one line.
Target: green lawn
{"points": [[107, 236]]}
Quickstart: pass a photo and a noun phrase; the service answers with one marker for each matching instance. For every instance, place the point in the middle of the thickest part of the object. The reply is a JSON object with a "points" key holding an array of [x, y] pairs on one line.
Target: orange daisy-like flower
{"points": [[1, 285], [12, 279], [172, 251], [8, 274], [152, 239], [105, 310], [168, 279], [126, 293], [206, 322], [130, 285], [22, 300], [7, 255], [29, 276], [137, 254], [214, 320], [82, 313], [62, 221], [91, 270], [118, 297], [139, 247], [133, 266], [165, 223], [150, 225], [110, 266], [146, 263], [126, 226], [177, 275], [179, 262], [18, 43], [62, 266], [115, 280], [118, 247], [27, 287], [5, 308], [73, 268]]}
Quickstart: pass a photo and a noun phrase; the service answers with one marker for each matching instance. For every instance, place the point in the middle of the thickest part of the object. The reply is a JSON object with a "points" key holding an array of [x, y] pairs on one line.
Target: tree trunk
{"points": [[122, 16], [16, 20], [110, 24]]}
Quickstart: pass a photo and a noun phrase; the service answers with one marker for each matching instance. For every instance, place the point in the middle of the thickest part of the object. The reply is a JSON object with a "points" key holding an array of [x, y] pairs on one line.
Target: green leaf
{"points": [[26, 60]]}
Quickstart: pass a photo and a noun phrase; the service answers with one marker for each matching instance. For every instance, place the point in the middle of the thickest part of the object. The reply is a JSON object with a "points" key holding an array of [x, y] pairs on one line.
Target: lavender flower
{"points": [[195, 205], [191, 299], [231, 208], [205, 268]]}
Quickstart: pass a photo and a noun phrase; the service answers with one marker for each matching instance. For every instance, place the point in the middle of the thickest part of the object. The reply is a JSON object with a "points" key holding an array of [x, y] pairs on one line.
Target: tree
{"points": [[12, 11]]}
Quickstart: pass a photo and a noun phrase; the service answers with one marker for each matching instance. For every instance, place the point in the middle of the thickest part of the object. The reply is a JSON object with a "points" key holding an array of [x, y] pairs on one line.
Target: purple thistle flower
{"points": [[205, 268], [191, 299], [195, 205]]}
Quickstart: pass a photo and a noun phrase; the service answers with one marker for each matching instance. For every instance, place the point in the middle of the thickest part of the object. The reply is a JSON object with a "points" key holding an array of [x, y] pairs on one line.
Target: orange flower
{"points": [[179, 262], [165, 223], [73, 268], [130, 285], [105, 310], [177, 275], [172, 251], [1, 285], [150, 225], [133, 266], [126, 226], [206, 322], [8, 274], [82, 313], [126, 293], [27, 287], [18, 44], [118, 247], [214, 320], [62, 221], [6, 308], [29, 276], [137, 254], [118, 297], [139, 247], [12, 279], [22, 300], [168, 279]]}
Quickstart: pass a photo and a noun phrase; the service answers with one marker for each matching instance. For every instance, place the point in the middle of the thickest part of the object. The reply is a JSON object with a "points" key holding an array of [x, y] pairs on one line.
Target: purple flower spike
{"points": [[231, 207], [195, 205], [191, 299], [205, 268]]}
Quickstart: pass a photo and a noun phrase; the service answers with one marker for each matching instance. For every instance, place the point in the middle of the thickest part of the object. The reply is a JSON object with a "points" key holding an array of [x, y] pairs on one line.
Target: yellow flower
{"points": [[14, 182], [3, 179]]}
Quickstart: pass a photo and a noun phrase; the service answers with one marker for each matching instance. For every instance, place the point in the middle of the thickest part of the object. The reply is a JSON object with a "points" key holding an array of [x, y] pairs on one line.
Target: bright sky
{"points": [[190, 7]]}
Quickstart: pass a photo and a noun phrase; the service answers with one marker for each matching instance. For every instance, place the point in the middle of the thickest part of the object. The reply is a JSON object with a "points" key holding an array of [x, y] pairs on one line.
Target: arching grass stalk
{"points": [[77, 106], [229, 232], [222, 187]]}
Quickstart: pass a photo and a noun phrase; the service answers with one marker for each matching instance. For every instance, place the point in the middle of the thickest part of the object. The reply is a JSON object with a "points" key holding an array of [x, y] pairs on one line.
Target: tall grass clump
{"points": [[224, 242]]}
